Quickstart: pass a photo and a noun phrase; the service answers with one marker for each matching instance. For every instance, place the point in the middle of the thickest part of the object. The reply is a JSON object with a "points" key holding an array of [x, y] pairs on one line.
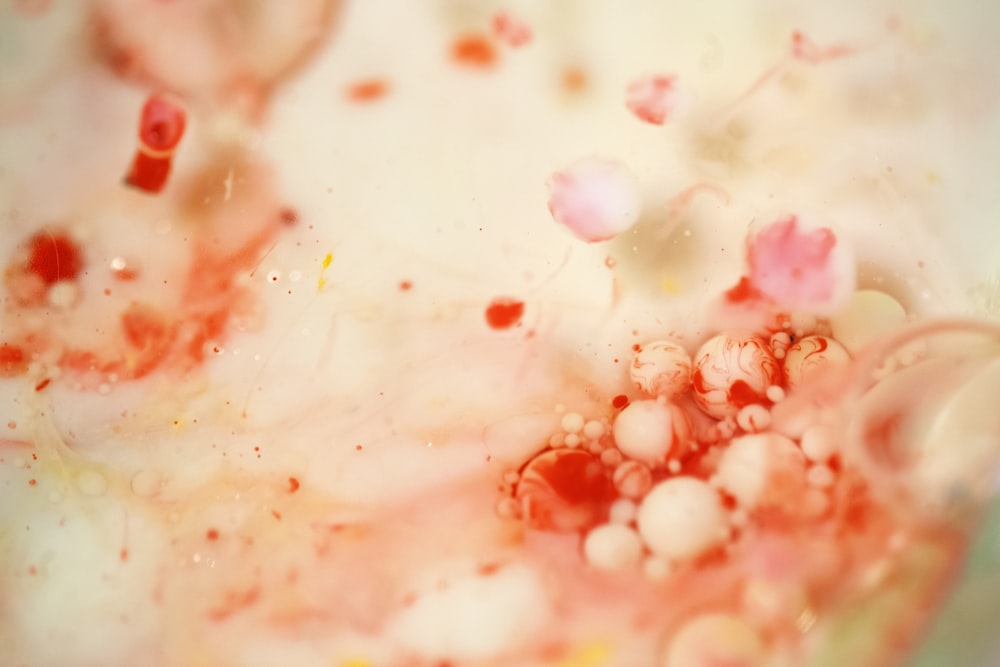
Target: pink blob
{"points": [[511, 30], [795, 268], [652, 99], [596, 199]]}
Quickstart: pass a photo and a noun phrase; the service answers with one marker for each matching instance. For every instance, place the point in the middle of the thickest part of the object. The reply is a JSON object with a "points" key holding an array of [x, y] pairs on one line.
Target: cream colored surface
{"points": [[443, 183]]}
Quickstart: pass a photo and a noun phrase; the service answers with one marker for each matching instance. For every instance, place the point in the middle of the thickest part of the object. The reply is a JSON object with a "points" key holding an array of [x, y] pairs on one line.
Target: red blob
{"points": [[54, 257], [148, 173], [367, 91], [161, 124], [620, 402], [743, 292], [564, 490], [474, 51], [13, 360], [504, 312]]}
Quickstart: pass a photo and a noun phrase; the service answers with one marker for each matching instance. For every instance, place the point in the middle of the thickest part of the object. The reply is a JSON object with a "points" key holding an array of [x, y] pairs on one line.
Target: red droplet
{"points": [[161, 124], [564, 490], [473, 51], [293, 485], [54, 257], [405, 286], [367, 91], [13, 360], [123, 555], [43, 384], [504, 312], [620, 402], [212, 534]]}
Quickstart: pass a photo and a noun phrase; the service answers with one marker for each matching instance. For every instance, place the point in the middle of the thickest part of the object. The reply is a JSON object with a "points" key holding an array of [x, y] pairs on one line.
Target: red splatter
{"points": [[13, 360], [743, 292], [43, 384], [293, 485], [161, 127], [511, 30], [504, 312], [651, 99], [54, 257], [367, 91], [620, 402], [474, 51]]}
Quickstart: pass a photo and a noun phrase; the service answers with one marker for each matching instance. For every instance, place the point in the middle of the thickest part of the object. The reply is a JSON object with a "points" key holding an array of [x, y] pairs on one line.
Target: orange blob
{"points": [[474, 51], [367, 91]]}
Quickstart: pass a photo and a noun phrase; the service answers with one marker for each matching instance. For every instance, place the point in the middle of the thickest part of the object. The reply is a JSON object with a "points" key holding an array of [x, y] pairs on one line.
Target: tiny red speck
{"points": [[32, 482], [43, 384], [293, 485], [405, 286], [504, 312], [212, 534]]}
